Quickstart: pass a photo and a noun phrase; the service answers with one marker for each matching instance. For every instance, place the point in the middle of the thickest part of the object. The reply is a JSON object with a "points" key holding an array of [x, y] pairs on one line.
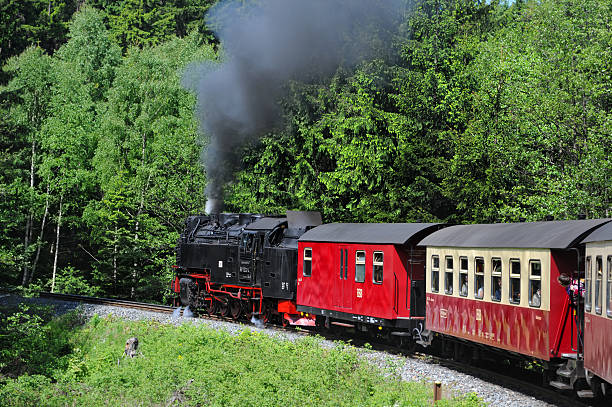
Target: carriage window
{"points": [[435, 274], [377, 273], [535, 283], [598, 280], [448, 276], [479, 278], [496, 279], [360, 257], [463, 276], [587, 282], [307, 269], [515, 281], [609, 302]]}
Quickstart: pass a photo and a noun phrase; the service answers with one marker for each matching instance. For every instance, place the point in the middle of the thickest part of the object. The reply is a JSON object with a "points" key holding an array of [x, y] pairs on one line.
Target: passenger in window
{"points": [[464, 289], [536, 300], [480, 292], [497, 294]]}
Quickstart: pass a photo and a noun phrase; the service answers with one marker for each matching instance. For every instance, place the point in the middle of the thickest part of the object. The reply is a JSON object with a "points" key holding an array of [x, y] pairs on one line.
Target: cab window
{"points": [[435, 274], [535, 283], [598, 283], [587, 275], [360, 257], [609, 302], [496, 279], [463, 276], [448, 275], [377, 268], [479, 265], [307, 269], [515, 281]]}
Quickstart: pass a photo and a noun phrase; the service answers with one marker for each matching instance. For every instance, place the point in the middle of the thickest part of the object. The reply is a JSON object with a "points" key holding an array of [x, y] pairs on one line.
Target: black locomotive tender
{"points": [[241, 264]]}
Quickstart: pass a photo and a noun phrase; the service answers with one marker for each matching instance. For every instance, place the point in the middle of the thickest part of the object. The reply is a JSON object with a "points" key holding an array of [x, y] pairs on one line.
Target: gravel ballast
{"points": [[408, 368]]}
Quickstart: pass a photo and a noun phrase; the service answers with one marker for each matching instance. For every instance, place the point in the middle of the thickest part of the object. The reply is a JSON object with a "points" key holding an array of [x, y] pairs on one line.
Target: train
{"points": [[528, 291]]}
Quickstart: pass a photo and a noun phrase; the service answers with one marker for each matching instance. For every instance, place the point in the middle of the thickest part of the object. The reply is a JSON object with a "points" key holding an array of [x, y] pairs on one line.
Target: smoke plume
{"points": [[265, 43]]}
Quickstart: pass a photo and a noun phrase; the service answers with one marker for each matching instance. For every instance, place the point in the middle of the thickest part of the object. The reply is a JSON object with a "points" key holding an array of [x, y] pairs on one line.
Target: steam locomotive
{"points": [[469, 290], [242, 265]]}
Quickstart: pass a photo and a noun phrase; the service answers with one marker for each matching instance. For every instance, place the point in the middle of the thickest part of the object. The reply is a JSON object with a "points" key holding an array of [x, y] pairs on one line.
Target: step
{"points": [[342, 324], [585, 394], [565, 373], [561, 386]]}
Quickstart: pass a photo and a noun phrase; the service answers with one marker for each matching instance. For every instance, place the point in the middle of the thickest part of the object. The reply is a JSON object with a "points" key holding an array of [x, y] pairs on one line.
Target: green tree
{"points": [[26, 101], [148, 164]]}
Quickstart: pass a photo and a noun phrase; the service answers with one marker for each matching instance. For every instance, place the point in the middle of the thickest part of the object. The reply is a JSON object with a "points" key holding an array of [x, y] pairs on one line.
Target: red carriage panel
{"points": [[513, 301], [598, 303], [598, 346], [362, 272], [332, 284], [518, 329]]}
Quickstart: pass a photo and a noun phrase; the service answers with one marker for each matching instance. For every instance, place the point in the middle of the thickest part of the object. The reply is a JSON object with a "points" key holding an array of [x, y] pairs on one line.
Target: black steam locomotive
{"points": [[241, 264]]}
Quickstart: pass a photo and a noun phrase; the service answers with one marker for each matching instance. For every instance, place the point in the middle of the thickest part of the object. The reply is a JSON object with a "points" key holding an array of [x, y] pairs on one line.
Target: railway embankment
{"points": [[186, 361]]}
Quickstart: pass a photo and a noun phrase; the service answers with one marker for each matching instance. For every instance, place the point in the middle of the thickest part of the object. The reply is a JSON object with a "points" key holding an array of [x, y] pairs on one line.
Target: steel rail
{"points": [[109, 301]]}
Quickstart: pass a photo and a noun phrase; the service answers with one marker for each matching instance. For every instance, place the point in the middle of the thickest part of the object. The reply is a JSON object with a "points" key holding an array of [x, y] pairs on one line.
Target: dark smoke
{"points": [[265, 44]]}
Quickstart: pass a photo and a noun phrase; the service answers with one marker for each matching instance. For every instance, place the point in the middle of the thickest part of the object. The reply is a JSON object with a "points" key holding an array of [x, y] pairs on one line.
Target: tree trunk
{"points": [[57, 236], [115, 261], [28, 230], [40, 237], [140, 207]]}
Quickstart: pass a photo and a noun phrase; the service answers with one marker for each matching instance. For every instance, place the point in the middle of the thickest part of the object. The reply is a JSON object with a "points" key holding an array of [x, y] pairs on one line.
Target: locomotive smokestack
{"points": [[213, 206]]}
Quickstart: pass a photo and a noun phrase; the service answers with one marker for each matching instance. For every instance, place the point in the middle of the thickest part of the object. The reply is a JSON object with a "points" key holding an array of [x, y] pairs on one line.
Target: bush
{"points": [[31, 341]]}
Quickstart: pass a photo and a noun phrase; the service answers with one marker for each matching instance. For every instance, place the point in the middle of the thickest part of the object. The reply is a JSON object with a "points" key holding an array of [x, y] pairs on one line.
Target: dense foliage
{"points": [[478, 112], [194, 366]]}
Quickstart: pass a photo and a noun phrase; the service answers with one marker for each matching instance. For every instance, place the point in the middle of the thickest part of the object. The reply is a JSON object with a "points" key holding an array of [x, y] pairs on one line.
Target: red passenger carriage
{"points": [[598, 310], [367, 276], [497, 285]]}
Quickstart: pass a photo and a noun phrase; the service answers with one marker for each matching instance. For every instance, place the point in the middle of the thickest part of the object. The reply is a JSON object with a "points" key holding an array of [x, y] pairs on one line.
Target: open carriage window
{"points": [[435, 274], [535, 283], [307, 269], [598, 283], [360, 257], [496, 279], [587, 275], [515, 281], [448, 276], [609, 290], [479, 265], [377, 269], [463, 276]]}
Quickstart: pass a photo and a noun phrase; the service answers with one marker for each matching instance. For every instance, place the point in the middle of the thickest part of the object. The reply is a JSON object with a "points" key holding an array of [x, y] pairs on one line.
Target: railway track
{"points": [[488, 375], [167, 309]]}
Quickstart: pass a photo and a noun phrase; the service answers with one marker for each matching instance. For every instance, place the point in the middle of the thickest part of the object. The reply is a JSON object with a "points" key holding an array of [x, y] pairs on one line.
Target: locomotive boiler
{"points": [[241, 264]]}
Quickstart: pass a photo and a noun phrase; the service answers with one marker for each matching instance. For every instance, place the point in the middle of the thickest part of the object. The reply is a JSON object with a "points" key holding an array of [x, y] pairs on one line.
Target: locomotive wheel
{"points": [[224, 308], [266, 313], [211, 308], [235, 308]]}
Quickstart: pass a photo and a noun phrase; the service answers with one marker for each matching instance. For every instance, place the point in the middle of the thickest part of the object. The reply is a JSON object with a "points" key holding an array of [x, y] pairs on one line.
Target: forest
{"points": [[471, 111]]}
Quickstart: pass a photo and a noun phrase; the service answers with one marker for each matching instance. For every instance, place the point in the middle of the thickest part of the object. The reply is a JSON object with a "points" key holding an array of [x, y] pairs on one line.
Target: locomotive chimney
{"points": [[213, 206]]}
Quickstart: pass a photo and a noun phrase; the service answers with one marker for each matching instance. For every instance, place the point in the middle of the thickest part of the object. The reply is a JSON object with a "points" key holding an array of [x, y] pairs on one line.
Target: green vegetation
{"points": [[192, 365], [478, 112]]}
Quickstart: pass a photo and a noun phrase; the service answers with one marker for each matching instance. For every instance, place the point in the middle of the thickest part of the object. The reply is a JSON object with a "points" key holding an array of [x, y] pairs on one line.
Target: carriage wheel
{"points": [[235, 308]]}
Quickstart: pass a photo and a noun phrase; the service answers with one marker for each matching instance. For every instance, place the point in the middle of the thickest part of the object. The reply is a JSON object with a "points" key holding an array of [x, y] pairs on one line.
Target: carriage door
{"points": [[343, 287]]}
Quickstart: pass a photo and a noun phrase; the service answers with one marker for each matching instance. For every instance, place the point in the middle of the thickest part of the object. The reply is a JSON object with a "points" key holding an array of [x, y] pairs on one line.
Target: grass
{"points": [[193, 365]]}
